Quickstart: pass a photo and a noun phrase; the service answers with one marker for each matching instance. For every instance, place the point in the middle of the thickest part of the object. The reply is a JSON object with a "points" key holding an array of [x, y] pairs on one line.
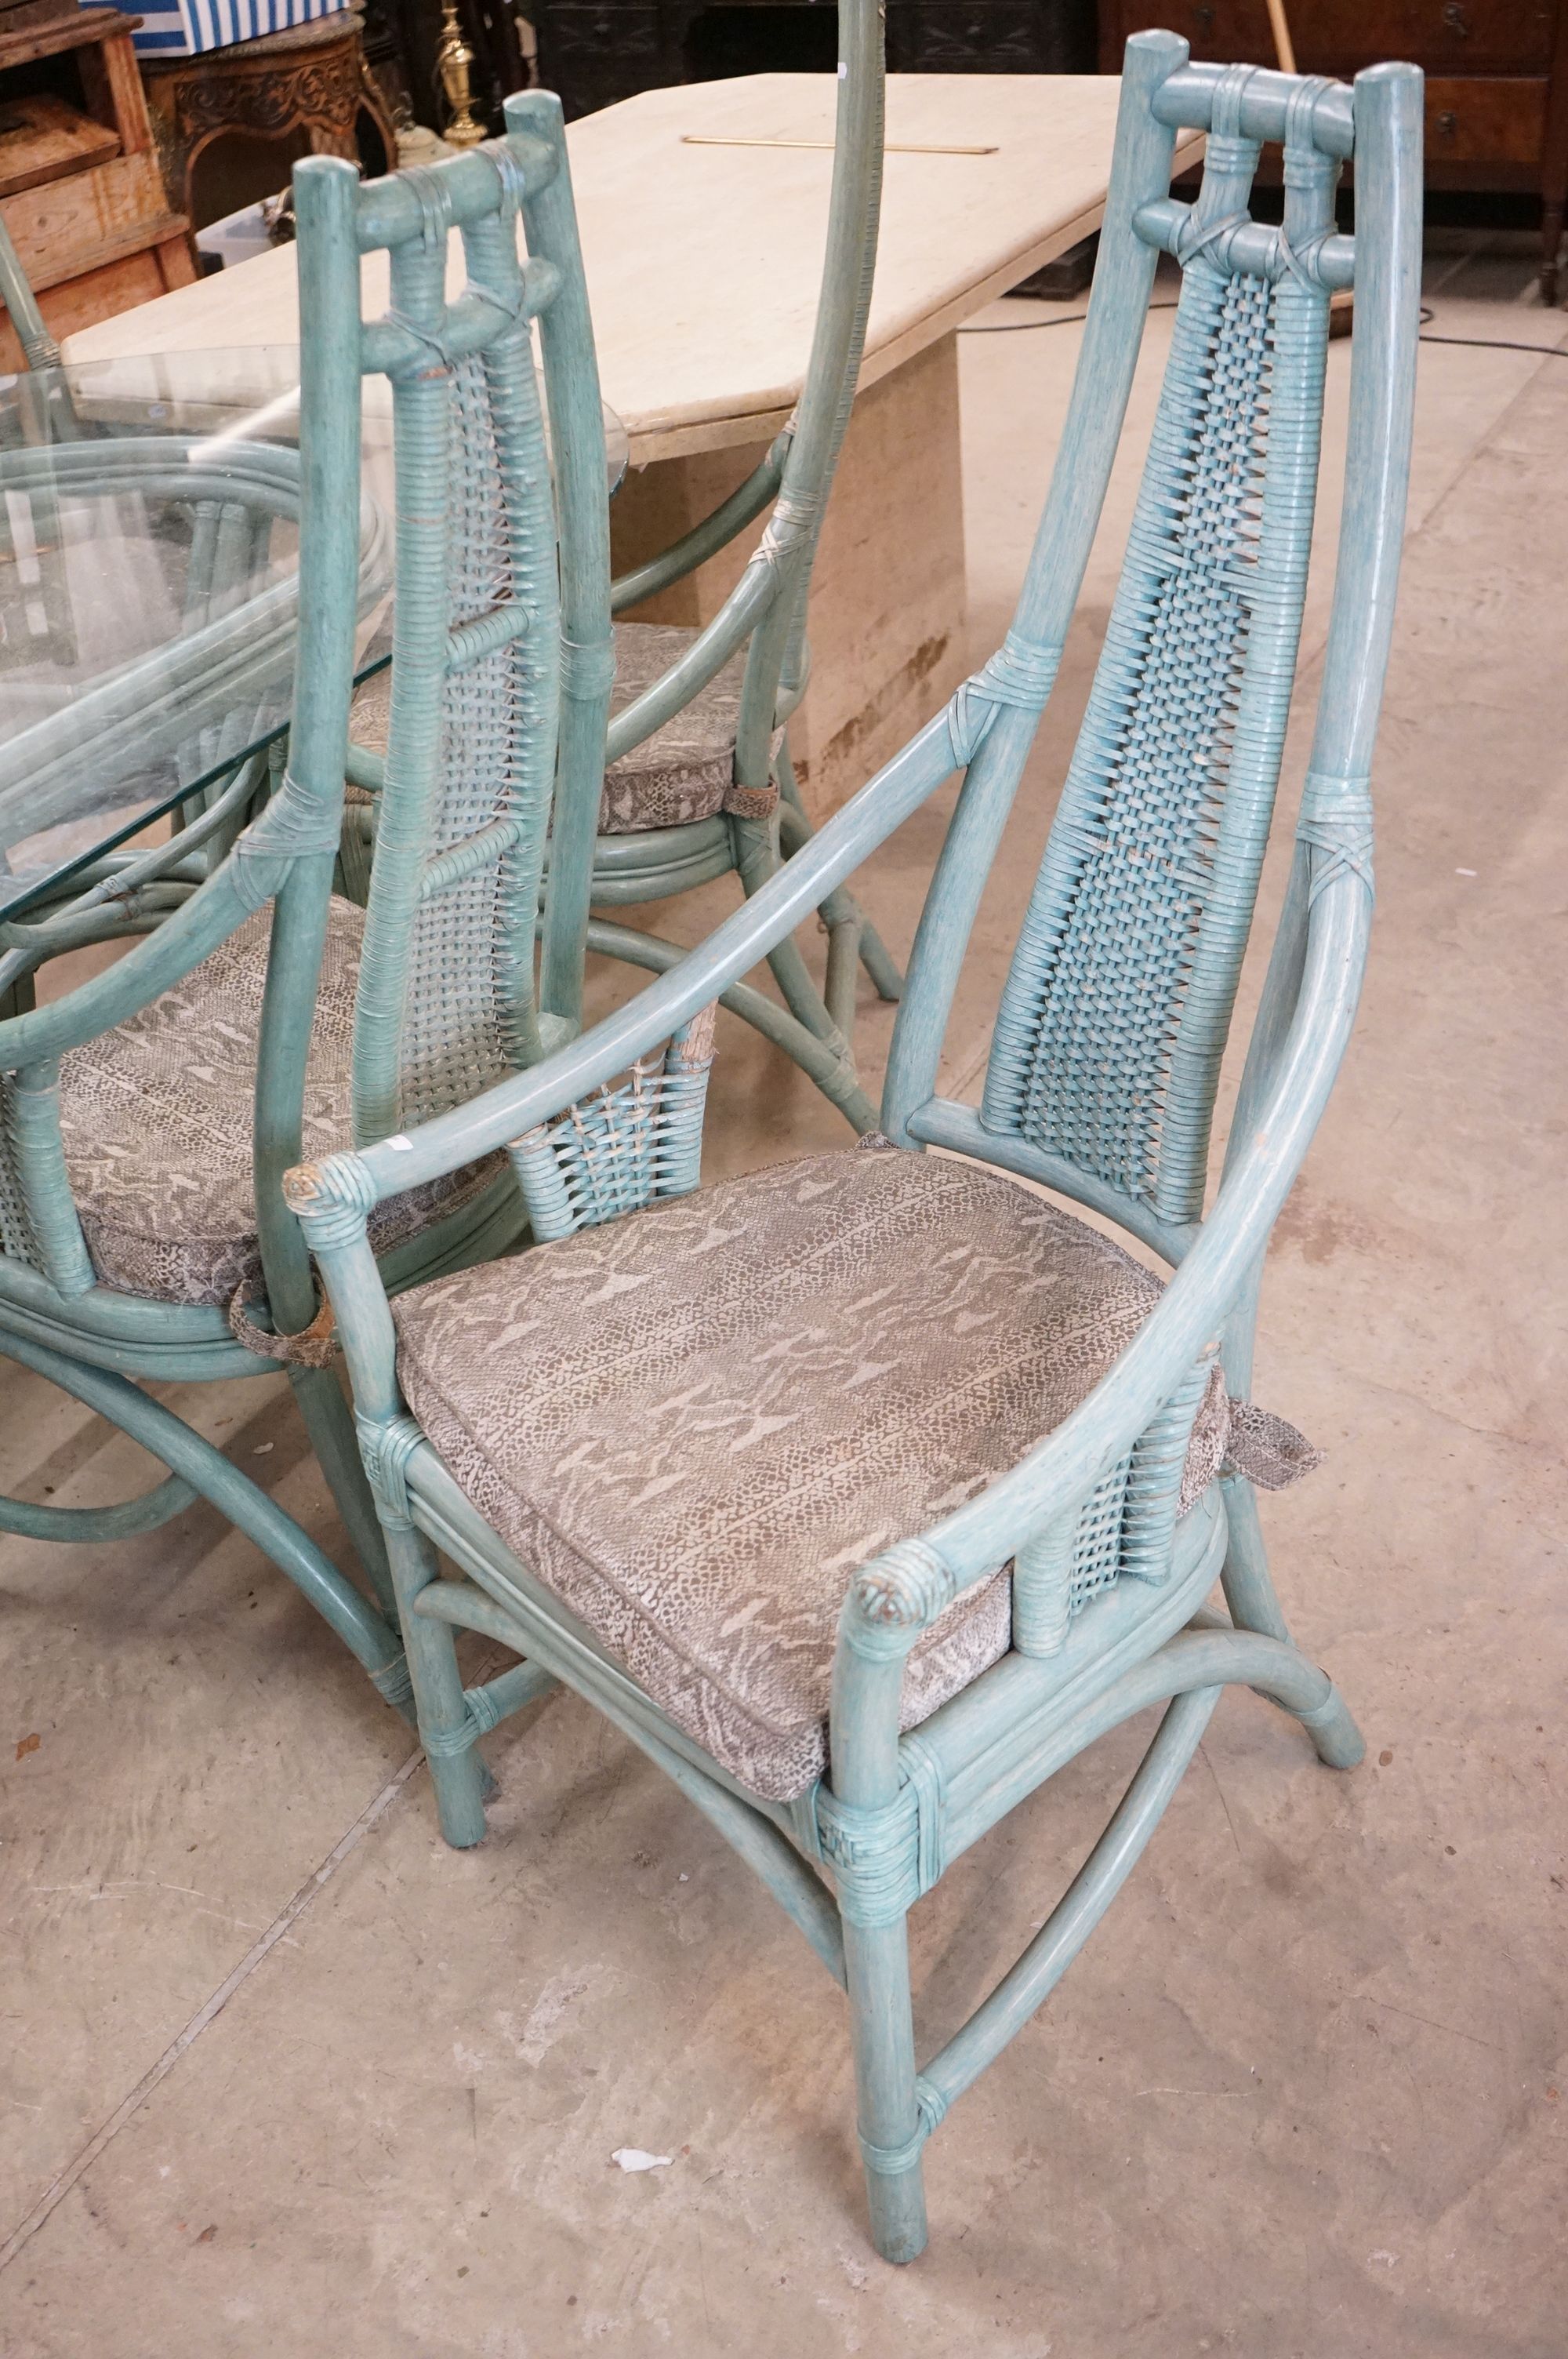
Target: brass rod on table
{"points": [[1284, 48], [893, 146]]}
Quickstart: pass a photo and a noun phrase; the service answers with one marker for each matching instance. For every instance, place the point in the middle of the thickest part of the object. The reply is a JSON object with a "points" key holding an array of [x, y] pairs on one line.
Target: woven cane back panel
{"points": [[1115, 1016], [471, 957], [466, 810]]}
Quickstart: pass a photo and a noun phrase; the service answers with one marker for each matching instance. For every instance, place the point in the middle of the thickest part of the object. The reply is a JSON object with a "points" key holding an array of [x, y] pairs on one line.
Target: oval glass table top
{"points": [[149, 536]]}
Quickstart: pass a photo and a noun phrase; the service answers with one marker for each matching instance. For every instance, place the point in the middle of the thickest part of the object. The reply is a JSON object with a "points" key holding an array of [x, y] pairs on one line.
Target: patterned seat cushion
{"points": [[684, 771], [156, 1121], [695, 1423]]}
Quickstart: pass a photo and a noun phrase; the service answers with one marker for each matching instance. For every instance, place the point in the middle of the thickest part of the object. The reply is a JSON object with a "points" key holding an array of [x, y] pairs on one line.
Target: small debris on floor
{"points": [[632, 2158]]}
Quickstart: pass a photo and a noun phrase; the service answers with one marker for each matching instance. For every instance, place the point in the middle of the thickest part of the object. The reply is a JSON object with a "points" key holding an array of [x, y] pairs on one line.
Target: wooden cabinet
{"points": [[1496, 89], [987, 37], [82, 196]]}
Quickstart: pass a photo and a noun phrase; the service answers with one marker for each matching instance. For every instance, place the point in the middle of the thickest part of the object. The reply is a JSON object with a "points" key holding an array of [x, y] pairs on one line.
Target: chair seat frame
{"points": [[848, 1859]]}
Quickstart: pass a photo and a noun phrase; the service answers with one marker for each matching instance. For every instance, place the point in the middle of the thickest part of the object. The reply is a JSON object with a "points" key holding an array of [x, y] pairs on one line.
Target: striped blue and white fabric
{"points": [[184, 27]]}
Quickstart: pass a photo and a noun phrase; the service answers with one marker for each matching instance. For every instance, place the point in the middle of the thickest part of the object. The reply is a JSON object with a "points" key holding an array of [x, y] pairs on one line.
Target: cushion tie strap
{"points": [[315, 1346]]}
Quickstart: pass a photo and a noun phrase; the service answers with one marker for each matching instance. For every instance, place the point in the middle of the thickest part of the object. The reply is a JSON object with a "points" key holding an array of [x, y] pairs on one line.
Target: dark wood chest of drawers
{"points": [[1497, 111], [596, 51]]}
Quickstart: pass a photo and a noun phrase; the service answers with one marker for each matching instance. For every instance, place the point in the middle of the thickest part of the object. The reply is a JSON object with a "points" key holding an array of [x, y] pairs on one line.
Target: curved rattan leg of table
{"points": [[832, 1072], [209, 1474]]}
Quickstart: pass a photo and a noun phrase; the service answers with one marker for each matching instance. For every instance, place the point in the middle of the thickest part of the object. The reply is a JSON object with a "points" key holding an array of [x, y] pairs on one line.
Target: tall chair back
{"points": [[1115, 1016], [501, 641], [1115, 1011]]}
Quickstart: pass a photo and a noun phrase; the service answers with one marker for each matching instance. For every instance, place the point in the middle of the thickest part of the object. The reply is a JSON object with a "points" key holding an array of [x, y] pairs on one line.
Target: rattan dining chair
{"points": [[864, 1491], [699, 783], [147, 1116]]}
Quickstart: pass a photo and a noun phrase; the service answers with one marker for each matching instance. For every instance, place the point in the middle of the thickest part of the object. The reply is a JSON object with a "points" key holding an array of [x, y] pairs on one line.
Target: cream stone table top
{"points": [[703, 262]]}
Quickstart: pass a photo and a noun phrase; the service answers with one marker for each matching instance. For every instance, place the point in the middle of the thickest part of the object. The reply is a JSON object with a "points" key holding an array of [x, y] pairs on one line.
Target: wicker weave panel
{"points": [[684, 771], [623, 1147], [1116, 1008], [448, 1001], [16, 1238], [466, 942]]}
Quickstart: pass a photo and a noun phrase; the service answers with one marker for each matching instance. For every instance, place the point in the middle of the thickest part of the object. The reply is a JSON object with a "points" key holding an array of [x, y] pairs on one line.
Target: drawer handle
{"points": [[1447, 124], [1455, 20], [1204, 19]]}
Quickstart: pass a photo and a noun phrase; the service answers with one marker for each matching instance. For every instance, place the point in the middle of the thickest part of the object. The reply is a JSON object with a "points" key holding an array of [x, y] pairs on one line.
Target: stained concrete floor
{"points": [[285, 2077]]}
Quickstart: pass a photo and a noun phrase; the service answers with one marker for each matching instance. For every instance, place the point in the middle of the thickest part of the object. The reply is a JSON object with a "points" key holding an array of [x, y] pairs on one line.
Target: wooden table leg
{"points": [[888, 615]]}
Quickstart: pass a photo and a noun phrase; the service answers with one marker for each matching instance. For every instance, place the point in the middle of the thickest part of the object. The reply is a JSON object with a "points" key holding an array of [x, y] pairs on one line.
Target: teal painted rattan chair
{"points": [[865, 1492], [147, 1116], [698, 784]]}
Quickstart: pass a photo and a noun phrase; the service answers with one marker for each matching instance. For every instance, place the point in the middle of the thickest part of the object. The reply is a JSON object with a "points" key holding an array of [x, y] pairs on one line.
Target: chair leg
{"points": [[195, 1462], [755, 860], [831, 1074], [881, 2028], [446, 1725], [330, 1427], [1249, 1586], [841, 910], [1253, 1606]]}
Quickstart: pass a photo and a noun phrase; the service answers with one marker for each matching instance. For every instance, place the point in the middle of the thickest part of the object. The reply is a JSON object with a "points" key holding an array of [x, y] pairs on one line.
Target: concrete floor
{"points": [[288, 2078]]}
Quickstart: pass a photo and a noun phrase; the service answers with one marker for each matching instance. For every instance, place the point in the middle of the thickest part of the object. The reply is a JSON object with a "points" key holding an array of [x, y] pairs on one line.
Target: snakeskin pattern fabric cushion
{"points": [[683, 772], [156, 1121], [695, 1423]]}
